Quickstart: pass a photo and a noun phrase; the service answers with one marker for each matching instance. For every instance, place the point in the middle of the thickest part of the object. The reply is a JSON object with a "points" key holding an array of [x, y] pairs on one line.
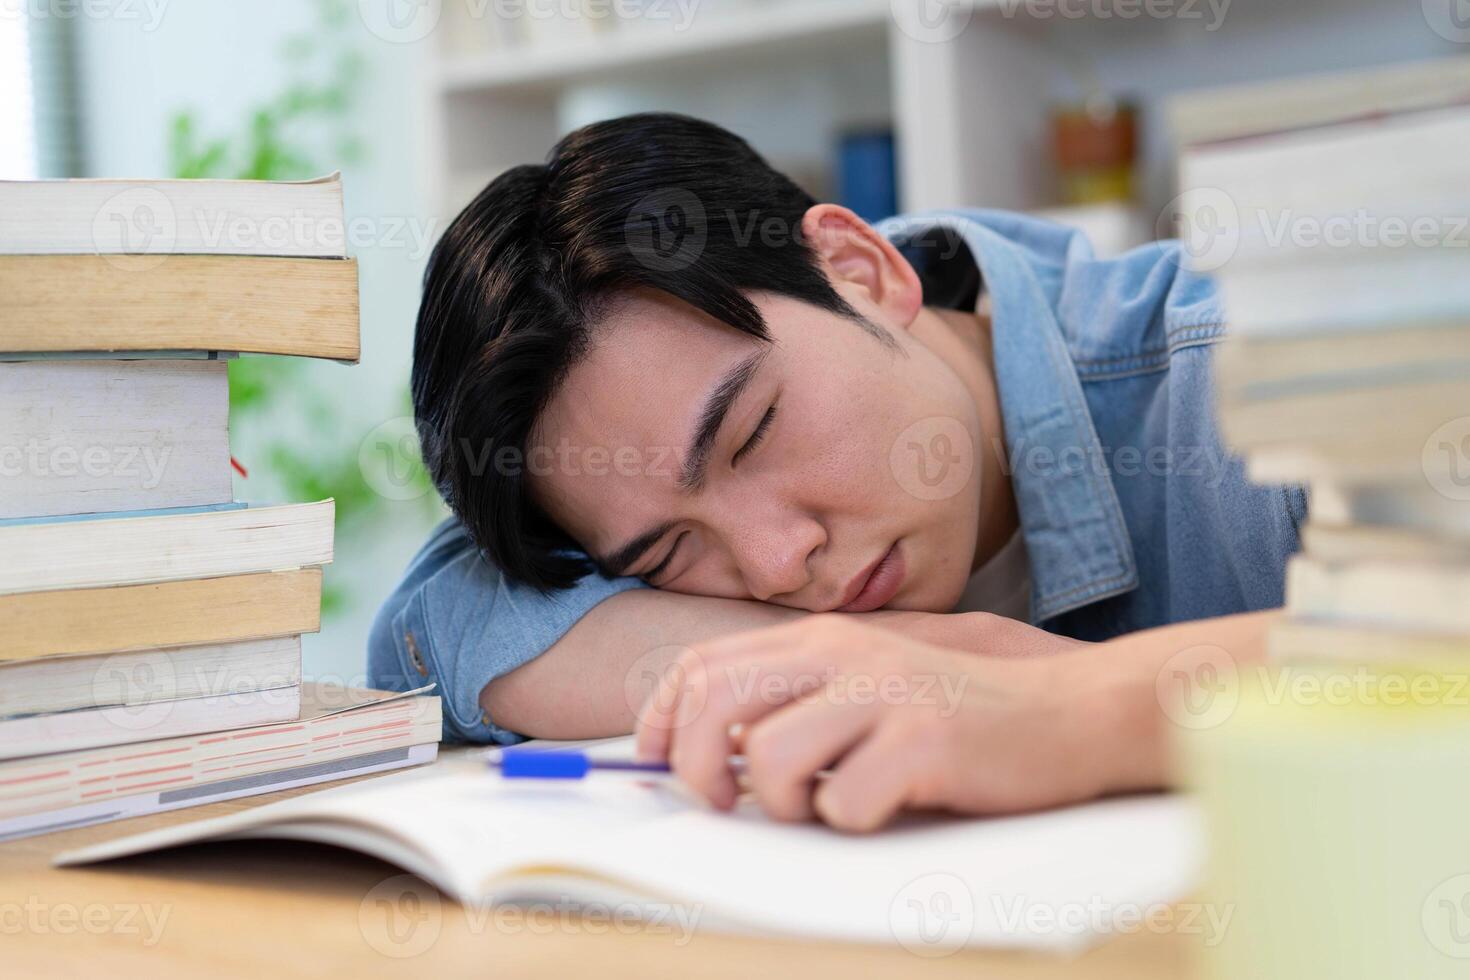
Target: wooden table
{"points": [[278, 909]]}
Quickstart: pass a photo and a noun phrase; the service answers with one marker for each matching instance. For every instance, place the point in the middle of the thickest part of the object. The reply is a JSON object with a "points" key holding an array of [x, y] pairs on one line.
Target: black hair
{"points": [[512, 289]]}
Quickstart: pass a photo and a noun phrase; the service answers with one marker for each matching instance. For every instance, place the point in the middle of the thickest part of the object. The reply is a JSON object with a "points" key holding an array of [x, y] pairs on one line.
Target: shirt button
{"points": [[414, 655]]}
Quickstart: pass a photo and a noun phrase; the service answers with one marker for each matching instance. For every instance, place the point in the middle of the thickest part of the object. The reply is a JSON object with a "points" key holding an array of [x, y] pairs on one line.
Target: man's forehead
{"points": [[651, 360], [646, 327]]}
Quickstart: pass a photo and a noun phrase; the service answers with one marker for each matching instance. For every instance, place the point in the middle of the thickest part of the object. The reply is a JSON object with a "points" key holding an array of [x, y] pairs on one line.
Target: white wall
{"points": [[221, 58]]}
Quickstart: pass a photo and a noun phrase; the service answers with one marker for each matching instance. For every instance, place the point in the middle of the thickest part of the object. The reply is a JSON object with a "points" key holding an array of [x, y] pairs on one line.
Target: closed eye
{"points": [[662, 566], [755, 440], [756, 436]]}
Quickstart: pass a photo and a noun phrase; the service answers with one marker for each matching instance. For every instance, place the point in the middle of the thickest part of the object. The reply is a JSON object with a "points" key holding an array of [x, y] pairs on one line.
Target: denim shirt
{"points": [[1132, 513]]}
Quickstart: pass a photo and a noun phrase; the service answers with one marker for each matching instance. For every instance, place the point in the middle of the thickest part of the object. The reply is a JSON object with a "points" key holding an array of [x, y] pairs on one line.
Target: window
{"points": [[38, 119], [17, 102]]}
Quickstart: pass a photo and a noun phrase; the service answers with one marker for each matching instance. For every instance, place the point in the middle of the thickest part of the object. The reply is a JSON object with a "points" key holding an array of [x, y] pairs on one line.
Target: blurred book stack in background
{"points": [[141, 604], [1332, 213]]}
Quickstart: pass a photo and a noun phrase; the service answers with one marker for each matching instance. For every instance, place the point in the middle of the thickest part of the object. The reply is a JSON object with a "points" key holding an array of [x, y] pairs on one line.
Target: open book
{"points": [[1055, 880]]}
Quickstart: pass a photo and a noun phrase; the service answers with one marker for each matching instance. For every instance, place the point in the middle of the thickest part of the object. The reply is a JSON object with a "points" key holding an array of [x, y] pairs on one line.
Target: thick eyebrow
{"points": [[717, 405]]}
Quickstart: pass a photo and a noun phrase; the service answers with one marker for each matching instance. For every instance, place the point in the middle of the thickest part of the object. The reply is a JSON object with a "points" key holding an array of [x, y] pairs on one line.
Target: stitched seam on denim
{"points": [[1093, 591], [1159, 361], [1078, 591], [1175, 340], [428, 650], [1101, 485]]}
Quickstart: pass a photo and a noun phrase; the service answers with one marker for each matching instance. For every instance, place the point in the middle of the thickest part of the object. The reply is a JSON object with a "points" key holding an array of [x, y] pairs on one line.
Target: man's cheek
{"points": [[703, 582]]}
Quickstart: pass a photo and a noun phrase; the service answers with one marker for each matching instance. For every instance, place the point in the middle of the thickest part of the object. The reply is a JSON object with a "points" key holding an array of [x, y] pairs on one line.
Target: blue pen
{"points": [[572, 764], [566, 764]]}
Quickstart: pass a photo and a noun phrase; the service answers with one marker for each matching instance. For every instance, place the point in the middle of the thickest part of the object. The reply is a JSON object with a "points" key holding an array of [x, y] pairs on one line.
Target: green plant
{"points": [[323, 70], [281, 140]]}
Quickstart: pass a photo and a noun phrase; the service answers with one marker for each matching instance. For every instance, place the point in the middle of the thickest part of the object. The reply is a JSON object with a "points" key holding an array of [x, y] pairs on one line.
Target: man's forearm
{"points": [[1014, 736], [1130, 679], [580, 687]]}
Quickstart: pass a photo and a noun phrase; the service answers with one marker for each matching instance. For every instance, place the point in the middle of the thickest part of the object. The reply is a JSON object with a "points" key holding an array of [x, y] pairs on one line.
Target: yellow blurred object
{"points": [[1336, 800], [1097, 186], [1093, 146]]}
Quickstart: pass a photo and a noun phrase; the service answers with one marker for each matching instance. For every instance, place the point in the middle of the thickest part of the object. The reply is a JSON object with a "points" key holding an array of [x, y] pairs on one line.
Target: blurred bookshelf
{"points": [[967, 87], [606, 52]]}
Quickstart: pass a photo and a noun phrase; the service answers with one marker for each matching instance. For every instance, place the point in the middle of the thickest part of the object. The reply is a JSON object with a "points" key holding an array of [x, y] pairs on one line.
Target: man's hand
{"points": [[901, 723]]}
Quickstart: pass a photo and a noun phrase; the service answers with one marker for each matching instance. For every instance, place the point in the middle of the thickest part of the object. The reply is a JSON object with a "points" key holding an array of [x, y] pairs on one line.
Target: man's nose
{"points": [[775, 559]]}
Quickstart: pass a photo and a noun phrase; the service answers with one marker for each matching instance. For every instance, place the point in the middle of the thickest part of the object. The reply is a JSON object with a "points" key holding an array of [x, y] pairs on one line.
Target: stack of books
{"points": [[1331, 779], [1332, 212], [146, 613]]}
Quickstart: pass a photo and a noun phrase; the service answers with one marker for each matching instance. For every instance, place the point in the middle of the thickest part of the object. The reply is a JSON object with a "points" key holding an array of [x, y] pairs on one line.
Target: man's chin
{"points": [[943, 600]]}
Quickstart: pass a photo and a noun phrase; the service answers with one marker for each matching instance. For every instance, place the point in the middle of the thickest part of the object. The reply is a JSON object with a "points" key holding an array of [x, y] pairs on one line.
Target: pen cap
{"points": [[537, 764]]}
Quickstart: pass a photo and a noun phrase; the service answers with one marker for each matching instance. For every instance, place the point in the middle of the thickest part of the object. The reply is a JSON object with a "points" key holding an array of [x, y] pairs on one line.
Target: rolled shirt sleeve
{"points": [[454, 620]]}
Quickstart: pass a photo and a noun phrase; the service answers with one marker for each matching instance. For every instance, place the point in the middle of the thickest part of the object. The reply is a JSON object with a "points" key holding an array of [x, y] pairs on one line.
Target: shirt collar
{"points": [[1076, 539]]}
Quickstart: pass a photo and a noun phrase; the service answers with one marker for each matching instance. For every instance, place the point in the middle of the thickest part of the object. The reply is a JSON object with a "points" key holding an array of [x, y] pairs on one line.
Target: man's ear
{"points": [[854, 255]]}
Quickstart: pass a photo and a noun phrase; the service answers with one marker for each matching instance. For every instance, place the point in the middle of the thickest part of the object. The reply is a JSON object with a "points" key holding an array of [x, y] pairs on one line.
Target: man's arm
{"points": [[963, 733], [581, 687], [592, 681]]}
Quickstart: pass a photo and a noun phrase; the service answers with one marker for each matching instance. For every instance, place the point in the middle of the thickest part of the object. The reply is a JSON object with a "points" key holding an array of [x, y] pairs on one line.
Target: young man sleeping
{"points": [[985, 459]]}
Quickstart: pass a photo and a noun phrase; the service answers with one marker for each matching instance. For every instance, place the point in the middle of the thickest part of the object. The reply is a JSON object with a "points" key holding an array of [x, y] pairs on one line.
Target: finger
{"points": [[714, 701], [658, 716], [871, 783], [785, 750]]}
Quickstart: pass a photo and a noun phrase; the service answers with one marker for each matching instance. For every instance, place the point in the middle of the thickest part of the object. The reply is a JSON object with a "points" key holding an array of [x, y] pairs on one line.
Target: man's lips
{"points": [[876, 584]]}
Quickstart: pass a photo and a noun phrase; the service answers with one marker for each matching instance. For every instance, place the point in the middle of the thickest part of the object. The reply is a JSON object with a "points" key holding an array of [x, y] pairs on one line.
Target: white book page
{"points": [[1056, 880]]}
